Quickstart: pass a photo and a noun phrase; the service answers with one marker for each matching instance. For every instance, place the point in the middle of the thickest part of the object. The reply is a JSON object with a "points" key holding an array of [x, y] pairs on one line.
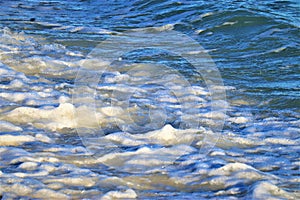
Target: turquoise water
{"points": [[51, 122]]}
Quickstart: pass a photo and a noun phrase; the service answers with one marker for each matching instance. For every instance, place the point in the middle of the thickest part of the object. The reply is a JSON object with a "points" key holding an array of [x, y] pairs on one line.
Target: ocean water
{"points": [[149, 99]]}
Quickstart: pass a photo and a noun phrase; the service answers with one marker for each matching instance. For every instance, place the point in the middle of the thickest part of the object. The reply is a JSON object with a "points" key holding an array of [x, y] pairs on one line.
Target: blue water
{"points": [[255, 47]]}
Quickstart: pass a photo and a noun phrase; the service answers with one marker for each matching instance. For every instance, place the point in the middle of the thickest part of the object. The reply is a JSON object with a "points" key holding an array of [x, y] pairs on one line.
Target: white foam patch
{"points": [[67, 115], [213, 115], [282, 141], [6, 71], [15, 140], [35, 174], [227, 140], [230, 168], [127, 194], [9, 74], [43, 158], [145, 157], [228, 23], [55, 186], [9, 127], [19, 96], [111, 111], [47, 24], [32, 52], [21, 189], [266, 190], [49, 194], [157, 28], [43, 138], [164, 136], [206, 15], [74, 181], [28, 166], [53, 119], [238, 120], [83, 29]]}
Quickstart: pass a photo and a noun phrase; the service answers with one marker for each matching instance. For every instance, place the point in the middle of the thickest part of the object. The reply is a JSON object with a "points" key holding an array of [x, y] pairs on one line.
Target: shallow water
{"points": [[148, 126]]}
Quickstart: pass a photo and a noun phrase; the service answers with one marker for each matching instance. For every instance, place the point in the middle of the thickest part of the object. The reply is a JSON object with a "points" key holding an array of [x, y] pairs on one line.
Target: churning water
{"points": [[149, 99]]}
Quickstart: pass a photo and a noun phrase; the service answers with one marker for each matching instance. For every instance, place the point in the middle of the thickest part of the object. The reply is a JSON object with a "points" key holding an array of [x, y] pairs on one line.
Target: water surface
{"points": [[255, 46]]}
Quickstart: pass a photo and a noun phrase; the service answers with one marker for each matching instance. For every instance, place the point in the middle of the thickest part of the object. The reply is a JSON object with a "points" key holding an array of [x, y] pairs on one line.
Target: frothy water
{"points": [[138, 128]]}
